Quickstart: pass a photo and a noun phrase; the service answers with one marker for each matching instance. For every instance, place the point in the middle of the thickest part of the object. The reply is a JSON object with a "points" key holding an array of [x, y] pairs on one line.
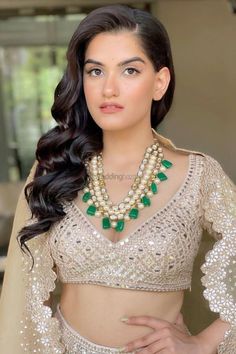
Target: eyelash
{"points": [[90, 71]]}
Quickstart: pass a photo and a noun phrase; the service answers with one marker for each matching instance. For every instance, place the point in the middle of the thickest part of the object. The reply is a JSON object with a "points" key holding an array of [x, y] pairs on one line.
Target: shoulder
{"points": [[181, 155], [210, 168]]}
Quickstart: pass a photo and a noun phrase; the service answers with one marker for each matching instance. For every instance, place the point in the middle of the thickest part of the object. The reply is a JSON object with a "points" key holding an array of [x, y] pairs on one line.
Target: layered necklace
{"points": [[149, 175]]}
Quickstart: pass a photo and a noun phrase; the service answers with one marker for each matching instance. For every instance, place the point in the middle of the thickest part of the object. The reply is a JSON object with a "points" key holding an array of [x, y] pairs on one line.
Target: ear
{"points": [[161, 84]]}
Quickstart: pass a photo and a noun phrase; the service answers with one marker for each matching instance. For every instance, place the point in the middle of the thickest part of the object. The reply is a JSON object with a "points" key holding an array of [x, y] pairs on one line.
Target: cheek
{"points": [[140, 93], [88, 91]]}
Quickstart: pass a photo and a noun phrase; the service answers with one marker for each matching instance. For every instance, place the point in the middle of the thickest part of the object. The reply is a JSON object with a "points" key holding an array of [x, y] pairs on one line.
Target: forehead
{"points": [[112, 46]]}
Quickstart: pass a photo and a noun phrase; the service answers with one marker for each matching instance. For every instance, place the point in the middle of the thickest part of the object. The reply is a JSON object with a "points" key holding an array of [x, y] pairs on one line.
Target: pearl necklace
{"points": [[150, 173]]}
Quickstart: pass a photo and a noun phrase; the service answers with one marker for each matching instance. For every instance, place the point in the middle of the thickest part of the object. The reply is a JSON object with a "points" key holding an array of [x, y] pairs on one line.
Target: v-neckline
{"points": [[170, 202]]}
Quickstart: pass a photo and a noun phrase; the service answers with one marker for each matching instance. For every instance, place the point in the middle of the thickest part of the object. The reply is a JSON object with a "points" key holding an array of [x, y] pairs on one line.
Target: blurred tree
{"points": [[30, 77]]}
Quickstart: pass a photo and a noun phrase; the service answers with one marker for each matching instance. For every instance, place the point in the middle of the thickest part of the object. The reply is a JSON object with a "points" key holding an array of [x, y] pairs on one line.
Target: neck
{"points": [[126, 146]]}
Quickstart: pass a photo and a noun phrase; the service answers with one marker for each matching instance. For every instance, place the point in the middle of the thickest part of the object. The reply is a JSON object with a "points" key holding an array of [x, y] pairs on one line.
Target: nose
{"points": [[110, 87]]}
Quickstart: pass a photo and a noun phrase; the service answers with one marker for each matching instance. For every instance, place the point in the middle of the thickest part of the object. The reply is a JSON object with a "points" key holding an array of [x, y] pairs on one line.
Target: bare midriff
{"points": [[95, 311]]}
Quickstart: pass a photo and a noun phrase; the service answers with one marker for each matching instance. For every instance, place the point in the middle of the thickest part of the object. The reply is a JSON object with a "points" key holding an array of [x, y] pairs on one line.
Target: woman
{"points": [[80, 227]]}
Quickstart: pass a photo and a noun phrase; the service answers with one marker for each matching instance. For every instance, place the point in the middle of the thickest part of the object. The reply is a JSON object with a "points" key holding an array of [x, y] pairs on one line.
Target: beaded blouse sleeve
{"points": [[219, 219]]}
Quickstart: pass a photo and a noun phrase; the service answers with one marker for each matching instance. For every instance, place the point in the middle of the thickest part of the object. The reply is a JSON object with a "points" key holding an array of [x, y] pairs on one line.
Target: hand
{"points": [[167, 338], [179, 322]]}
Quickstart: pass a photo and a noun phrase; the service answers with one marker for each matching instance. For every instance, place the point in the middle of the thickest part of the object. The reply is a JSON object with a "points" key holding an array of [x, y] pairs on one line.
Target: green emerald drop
{"points": [[106, 224], [161, 176], [91, 210], [86, 197], [120, 225], [133, 214], [146, 201], [154, 188], [166, 163]]}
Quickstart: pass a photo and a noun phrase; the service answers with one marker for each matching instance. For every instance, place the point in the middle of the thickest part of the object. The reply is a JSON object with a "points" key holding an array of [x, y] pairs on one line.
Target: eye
{"points": [[94, 72], [131, 71]]}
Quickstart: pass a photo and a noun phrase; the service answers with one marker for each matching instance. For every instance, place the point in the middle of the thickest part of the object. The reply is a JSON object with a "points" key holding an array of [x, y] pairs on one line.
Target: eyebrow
{"points": [[91, 61]]}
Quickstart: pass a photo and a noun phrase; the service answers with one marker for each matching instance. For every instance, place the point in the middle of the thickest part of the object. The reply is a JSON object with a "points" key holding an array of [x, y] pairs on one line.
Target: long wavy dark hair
{"points": [[61, 152]]}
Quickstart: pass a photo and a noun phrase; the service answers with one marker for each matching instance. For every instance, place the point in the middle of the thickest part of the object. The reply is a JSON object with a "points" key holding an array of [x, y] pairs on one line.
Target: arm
{"points": [[219, 219], [211, 337]]}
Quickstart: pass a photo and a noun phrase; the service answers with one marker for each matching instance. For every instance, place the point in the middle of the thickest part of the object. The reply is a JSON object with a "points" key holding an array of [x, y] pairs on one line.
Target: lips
{"points": [[110, 105]]}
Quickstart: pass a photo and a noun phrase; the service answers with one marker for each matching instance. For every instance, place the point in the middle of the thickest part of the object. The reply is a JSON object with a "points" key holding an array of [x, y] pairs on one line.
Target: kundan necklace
{"points": [[149, 175]]}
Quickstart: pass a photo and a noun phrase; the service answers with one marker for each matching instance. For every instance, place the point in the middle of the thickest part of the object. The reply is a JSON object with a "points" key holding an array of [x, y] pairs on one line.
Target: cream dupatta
{"points": [[26, 322]]}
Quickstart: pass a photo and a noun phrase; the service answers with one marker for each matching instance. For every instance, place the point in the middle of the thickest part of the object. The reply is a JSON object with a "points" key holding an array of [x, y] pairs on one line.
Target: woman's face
{"points": [[118, 72]]}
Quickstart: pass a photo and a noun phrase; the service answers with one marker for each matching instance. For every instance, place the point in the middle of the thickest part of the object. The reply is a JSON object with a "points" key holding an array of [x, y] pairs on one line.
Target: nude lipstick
{"points": [[111, 107]]}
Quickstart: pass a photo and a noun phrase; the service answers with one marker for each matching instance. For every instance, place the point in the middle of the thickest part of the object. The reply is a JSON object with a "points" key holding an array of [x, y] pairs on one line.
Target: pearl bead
{"points": [[89, 202], [162, 168], [127, 199], [121, 205], [113, 217], [140, 205]]}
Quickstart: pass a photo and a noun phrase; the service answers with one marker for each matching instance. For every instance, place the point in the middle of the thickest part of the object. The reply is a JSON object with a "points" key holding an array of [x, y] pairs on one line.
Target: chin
{"points": [[109, 123]]}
